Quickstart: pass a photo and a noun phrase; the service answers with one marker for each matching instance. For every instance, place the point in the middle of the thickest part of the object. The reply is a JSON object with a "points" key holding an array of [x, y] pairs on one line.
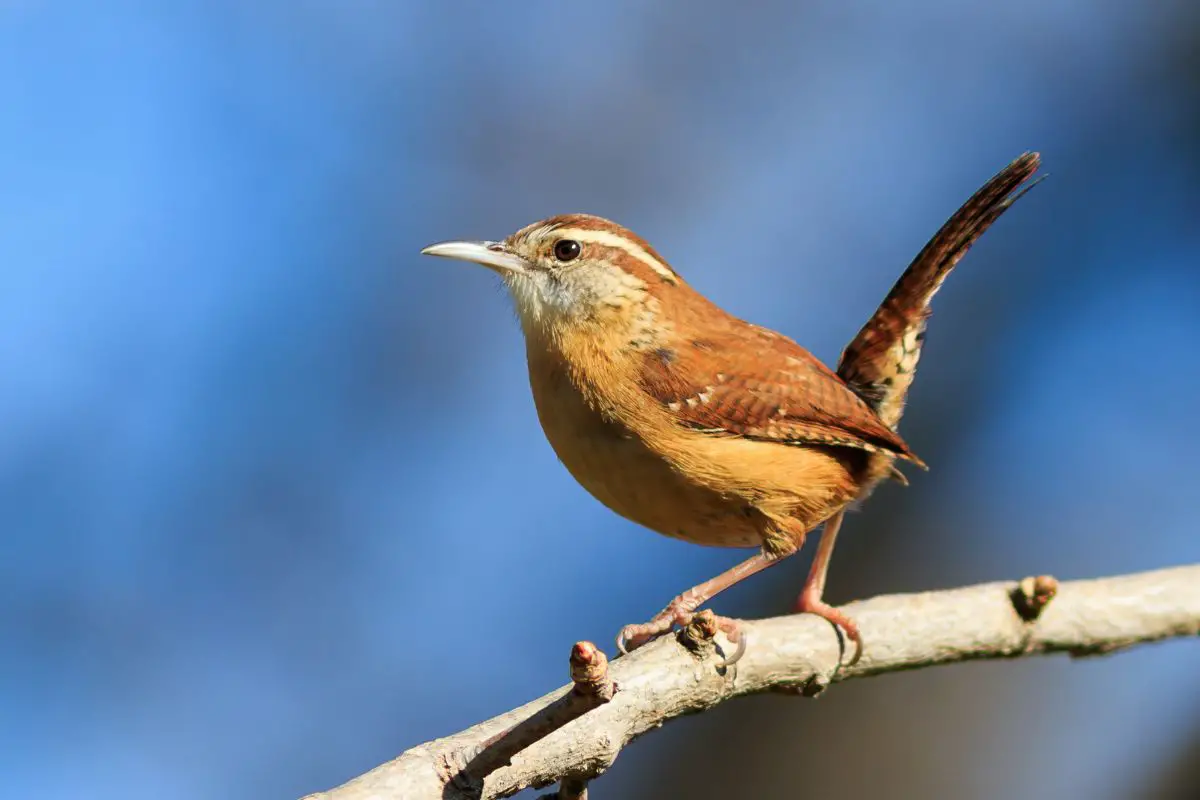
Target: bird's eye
{"points": [[566, 250]]}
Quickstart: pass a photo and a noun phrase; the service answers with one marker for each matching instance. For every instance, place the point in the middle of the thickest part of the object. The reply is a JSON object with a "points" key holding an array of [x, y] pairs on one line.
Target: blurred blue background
{"points": [[270, 481]]}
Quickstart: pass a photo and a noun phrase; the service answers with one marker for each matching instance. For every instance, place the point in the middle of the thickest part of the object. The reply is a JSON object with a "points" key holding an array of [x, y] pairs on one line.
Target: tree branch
{"points": [[795, 654]]}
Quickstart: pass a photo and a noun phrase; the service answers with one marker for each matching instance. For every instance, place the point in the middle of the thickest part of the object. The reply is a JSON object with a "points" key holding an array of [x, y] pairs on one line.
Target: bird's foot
{"points": [[680, 612], [677, 612], [811, 603]]}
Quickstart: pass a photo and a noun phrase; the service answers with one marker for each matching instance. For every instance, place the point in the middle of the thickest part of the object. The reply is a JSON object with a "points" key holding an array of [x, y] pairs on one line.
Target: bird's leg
{"points": [[680, 610], [810, 596]]}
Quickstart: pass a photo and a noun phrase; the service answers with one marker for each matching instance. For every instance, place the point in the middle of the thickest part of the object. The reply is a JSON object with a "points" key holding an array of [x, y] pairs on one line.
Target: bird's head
{"points": [[572, 270]]}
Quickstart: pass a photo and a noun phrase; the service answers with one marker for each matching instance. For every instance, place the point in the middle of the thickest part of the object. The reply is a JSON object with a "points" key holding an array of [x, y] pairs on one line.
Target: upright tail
{"points": [[879, 364]]}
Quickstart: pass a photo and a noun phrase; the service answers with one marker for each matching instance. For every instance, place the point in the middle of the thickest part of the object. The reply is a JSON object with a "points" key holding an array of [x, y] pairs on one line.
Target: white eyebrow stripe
{"points": [[610, 239]]}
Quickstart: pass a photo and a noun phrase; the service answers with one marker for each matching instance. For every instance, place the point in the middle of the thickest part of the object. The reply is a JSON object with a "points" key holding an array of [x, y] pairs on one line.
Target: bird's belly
{"points": [[617, 468]]}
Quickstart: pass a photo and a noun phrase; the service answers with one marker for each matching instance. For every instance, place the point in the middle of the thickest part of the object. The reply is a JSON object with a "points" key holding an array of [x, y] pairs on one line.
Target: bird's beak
{"points": [[493, 255]]}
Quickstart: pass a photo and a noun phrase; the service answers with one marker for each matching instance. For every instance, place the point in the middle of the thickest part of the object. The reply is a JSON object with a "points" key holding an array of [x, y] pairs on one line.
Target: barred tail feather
{"points": [[881, 361]]}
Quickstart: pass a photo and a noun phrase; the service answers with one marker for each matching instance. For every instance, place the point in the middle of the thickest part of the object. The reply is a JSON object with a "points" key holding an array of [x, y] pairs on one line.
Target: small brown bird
{"points": [[702, 426]]}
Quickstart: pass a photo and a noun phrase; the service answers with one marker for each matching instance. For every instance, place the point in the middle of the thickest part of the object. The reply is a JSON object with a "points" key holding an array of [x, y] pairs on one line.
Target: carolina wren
{"points": [[701, 426]]}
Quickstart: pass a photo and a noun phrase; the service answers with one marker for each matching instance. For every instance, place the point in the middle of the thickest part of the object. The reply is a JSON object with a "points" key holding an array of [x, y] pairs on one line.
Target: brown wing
{"points": [[784, 395]]}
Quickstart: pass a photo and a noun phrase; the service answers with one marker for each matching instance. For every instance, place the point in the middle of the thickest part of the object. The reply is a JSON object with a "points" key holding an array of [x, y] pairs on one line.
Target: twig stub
{"points": [[1033, 594], [589, 672]]}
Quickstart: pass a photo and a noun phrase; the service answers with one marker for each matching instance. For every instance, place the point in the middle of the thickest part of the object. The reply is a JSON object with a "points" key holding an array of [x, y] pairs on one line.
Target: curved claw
{"points": [[853, 635], [839, 619], [632, 637], [739, 639]]}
